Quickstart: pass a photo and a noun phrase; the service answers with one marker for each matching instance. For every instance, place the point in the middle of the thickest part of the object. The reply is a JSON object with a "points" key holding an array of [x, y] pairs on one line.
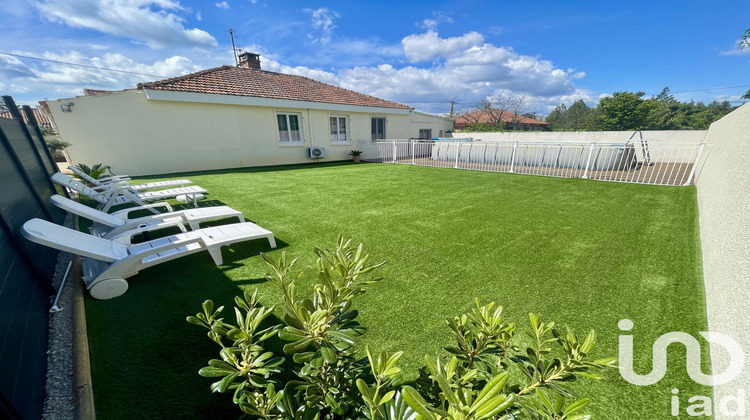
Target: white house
{"points": [[229, 117]]}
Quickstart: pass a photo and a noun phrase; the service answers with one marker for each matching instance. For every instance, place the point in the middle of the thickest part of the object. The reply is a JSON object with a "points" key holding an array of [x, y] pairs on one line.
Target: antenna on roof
{"points": [[234, 49]]}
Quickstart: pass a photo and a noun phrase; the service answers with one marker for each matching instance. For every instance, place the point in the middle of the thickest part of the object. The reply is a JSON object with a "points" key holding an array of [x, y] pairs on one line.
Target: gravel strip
{"points": [[59, 401]]}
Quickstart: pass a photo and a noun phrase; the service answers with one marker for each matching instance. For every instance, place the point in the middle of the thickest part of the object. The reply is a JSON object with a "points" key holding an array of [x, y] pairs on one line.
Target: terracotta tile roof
{"points": [[41, 119], [238, 81], [485, 116], [94, 92]]}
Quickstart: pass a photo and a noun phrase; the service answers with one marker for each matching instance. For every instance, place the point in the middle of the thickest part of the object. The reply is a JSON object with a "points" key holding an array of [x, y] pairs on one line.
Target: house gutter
{"points": [[176, 96]]}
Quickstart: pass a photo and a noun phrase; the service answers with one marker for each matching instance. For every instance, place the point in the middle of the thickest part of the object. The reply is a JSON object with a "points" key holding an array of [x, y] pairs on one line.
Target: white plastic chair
{"points": [[108, 263], [120, 227], [124, 181], [123, 195]]}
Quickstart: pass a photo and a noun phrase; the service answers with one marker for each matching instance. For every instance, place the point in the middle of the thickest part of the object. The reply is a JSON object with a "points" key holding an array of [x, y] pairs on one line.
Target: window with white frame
{"points": [[425, 133], [339, 129], [378, 128], [290, 130]]}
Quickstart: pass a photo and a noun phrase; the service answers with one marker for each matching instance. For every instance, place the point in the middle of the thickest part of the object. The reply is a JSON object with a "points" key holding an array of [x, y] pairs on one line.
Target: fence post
{"points": [[394, 151], [458, 145], [413, 150], [35, 124], [25, 175], [695, 164], [588, 160], [16, 114], [512, 156]]}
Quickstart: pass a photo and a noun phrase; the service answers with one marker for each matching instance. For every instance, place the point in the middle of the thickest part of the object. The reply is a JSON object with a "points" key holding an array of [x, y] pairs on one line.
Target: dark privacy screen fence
{"points": [[25, 269]]}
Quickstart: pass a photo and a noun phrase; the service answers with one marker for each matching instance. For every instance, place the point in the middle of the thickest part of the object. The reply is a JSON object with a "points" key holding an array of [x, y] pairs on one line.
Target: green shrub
{"points": [[483, 127], [95, 171], [56, 145], [475, 380]]}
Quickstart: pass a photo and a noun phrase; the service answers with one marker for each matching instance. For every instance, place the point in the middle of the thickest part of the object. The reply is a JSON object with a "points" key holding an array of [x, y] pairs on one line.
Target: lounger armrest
{"points": [[110, 191], [115, 178], [171, 245], [115, 184], [125, 236], [124, 213]]}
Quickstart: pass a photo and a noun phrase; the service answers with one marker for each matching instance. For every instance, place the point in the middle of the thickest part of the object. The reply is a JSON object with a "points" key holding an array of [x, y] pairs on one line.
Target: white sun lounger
{"points": [[109, 263], [119, 227], [123, 195], [124, 181]]}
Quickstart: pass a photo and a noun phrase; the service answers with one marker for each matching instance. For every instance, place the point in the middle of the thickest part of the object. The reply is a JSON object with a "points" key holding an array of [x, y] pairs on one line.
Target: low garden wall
{"points": [[663, 136], [724, 212]]}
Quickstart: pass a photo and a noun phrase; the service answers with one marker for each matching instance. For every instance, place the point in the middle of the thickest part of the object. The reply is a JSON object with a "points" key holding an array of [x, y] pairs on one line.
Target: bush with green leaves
{"points": [[95, 171], [484, 376], [56, 145]]}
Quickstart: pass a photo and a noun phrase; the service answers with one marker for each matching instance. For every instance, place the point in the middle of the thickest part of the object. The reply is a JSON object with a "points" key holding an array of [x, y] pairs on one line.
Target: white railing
{"points": [[656, 163]]}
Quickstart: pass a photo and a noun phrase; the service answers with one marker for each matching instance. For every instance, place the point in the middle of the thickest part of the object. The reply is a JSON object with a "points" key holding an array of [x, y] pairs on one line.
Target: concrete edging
{"points": [[84, 392]]}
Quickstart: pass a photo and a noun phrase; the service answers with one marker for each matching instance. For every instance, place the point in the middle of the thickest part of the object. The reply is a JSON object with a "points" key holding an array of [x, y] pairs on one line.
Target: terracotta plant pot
{"points": [[356, 158]]}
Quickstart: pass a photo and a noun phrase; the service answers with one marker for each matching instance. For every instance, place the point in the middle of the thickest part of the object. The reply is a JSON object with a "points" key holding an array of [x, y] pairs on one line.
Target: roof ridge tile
{"points": [[237, 81]]}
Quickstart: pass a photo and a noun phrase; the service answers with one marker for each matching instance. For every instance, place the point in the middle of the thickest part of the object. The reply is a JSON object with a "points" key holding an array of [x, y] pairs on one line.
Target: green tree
{"points": [[665, 112], [557, 119], [579, 116], [576, 118], [623, 111], [742, 43]]}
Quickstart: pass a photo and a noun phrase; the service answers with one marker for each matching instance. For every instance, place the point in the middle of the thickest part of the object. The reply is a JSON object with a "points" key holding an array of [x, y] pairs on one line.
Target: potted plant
{"points": [[96, 171], [56, 147], [356, 155]]}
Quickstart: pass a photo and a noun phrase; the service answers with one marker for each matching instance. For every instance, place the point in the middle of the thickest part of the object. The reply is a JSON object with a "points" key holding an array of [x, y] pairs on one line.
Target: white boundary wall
{"points": [[665, 136], [651, 136], [724, 212]]}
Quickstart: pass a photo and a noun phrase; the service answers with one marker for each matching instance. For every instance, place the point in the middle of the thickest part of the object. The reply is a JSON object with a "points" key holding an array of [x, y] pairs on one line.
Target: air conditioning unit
{"points": [[316, 152]]}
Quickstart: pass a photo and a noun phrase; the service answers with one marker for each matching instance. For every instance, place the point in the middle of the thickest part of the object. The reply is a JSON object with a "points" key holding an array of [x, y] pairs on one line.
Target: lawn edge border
{"points": [[84, 393]]}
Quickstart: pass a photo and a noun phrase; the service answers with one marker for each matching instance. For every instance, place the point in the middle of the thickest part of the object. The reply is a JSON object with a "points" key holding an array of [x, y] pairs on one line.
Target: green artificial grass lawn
{"points": [[585, 254]]}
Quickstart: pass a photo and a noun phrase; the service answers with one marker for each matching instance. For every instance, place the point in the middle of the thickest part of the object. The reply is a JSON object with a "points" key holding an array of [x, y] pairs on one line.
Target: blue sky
{"points": [[421, 53]]}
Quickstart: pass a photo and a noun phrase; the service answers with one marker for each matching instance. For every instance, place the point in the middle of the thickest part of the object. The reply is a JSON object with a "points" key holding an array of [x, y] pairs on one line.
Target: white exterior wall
{"points": [[439, 126], [138, 136], [724, 213]]}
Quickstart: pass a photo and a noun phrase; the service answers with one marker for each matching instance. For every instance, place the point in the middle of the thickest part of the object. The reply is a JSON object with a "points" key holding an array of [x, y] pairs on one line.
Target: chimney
{"points": [[249, 61]]}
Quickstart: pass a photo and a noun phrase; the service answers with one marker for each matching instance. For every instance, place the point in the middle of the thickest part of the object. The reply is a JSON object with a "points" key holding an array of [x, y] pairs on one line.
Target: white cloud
{"points": [[322, 24], [735, 51], [496, 30], [430, 24], [223, 5], [730, 98], [68, 80], [426, 46], [153, 22], [437, 18], [13, 68], [466, 70]]}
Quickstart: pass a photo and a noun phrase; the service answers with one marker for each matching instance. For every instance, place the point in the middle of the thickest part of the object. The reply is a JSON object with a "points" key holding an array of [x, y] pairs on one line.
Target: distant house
{"points": [[41, 119], [228, 117], [510, 121]]}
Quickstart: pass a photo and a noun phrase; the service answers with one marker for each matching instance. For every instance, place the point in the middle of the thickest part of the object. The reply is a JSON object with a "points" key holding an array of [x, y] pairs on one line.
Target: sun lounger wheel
{"points": [[108, 288]]}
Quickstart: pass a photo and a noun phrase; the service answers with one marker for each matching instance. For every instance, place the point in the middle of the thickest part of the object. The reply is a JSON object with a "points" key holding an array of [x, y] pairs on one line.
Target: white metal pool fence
{"points": [[638, 162]]}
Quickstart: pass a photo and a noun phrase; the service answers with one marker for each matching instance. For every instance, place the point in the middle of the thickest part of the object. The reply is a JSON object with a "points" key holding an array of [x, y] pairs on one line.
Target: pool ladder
{"points": [[644, 148]]}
